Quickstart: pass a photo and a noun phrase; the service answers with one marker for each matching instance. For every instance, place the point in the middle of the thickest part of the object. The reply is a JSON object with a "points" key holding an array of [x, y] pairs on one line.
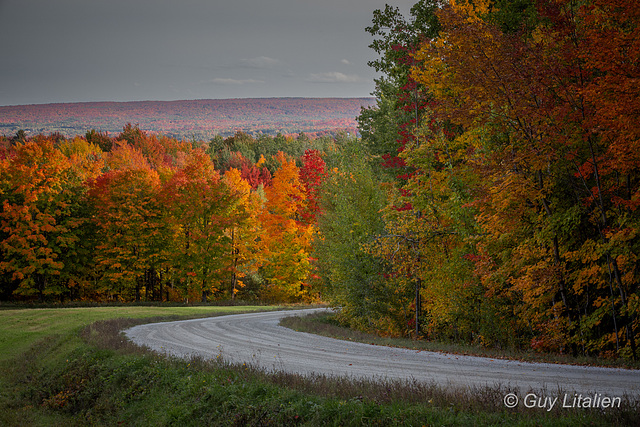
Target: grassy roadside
{"points": [[40, 338], [56, 369], [20, 328], [326, 324]]}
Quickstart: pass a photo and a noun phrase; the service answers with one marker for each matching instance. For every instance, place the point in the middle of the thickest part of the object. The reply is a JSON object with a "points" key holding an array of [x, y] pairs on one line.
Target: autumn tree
{"points": [[287, 237], [43, 234], [131, 233], [312, 174], [200, 207], [100, 139], [245, 231], [401, 99]]}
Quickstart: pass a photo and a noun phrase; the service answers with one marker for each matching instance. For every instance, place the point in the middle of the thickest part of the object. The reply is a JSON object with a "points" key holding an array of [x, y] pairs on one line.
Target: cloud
{"points": [[345, 61], [261, 62], [223, 81], [333, 77]]}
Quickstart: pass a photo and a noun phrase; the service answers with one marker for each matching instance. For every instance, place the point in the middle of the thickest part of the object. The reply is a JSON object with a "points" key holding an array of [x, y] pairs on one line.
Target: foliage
{"points": [[312, 174], [43, 217], [350, 203], [510, 218], [129, 225], [146, 217], [287, 239], [519, 197], [200, 208]]}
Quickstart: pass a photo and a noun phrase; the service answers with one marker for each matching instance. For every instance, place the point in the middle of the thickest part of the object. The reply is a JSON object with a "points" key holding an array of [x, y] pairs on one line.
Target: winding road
{"points": [[257, 339]]}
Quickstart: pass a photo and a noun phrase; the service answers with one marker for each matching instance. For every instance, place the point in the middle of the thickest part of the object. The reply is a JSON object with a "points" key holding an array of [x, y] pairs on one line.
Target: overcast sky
{"points": [[135, 50]]}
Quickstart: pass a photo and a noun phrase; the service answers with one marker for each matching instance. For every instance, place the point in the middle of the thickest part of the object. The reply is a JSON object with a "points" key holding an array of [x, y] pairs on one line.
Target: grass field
{"points": [[27, 332], [71, 366], [20, 328]]}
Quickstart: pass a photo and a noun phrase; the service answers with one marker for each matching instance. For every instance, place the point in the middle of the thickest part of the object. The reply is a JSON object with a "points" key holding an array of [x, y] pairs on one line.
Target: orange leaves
{"points": [[285, 196], [287, 237], [40, 192], [126, 156], [610, 53], [128, 217]]}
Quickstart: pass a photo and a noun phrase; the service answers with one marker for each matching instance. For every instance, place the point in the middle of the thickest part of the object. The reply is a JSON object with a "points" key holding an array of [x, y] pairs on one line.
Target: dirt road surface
{"points": [[257, 339]]}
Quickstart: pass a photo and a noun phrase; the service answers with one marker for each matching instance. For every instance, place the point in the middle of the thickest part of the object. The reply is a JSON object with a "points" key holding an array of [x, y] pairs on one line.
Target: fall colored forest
{"points": [[493, 197], [194, 119], [146, 217]]}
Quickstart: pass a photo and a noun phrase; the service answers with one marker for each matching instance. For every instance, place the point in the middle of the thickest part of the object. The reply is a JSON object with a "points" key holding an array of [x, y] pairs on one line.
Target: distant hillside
{"points": [[199, 119]]}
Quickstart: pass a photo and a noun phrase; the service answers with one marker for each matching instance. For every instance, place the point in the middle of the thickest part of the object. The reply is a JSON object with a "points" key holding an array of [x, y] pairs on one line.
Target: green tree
{"points": [[349, 218]]}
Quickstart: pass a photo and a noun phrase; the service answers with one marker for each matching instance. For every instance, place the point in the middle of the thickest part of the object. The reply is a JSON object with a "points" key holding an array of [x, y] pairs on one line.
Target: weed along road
{"points": [[257, 339]]}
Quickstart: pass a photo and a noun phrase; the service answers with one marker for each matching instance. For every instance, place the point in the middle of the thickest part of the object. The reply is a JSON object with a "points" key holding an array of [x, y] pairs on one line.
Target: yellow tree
{"points": [[245, 231]]}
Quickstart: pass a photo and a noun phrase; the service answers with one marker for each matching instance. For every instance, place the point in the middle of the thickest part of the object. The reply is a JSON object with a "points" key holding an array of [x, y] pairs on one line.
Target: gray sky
{"points": [[134, 50]]}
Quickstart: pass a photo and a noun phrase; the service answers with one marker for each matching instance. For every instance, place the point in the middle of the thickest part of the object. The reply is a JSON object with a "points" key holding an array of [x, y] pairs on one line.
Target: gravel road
{"points": [[256, 338]]}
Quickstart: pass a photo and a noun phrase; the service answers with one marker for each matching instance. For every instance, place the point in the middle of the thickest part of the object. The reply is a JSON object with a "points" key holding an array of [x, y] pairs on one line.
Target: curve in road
{"points": [[257, 339]]}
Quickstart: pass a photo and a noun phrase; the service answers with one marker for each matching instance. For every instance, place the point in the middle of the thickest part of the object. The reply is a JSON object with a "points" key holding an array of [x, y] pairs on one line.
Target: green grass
{"points": [[20, 328], [27, 332], [71, 366]]}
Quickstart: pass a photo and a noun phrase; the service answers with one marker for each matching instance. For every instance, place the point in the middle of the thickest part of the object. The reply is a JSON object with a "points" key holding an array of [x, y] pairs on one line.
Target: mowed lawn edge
{"points": [[21, 328]]}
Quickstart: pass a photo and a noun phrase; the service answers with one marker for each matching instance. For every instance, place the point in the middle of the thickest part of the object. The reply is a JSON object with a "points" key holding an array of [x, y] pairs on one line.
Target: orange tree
{"points": [[45, 238], [287, 238], [130, 230]]}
